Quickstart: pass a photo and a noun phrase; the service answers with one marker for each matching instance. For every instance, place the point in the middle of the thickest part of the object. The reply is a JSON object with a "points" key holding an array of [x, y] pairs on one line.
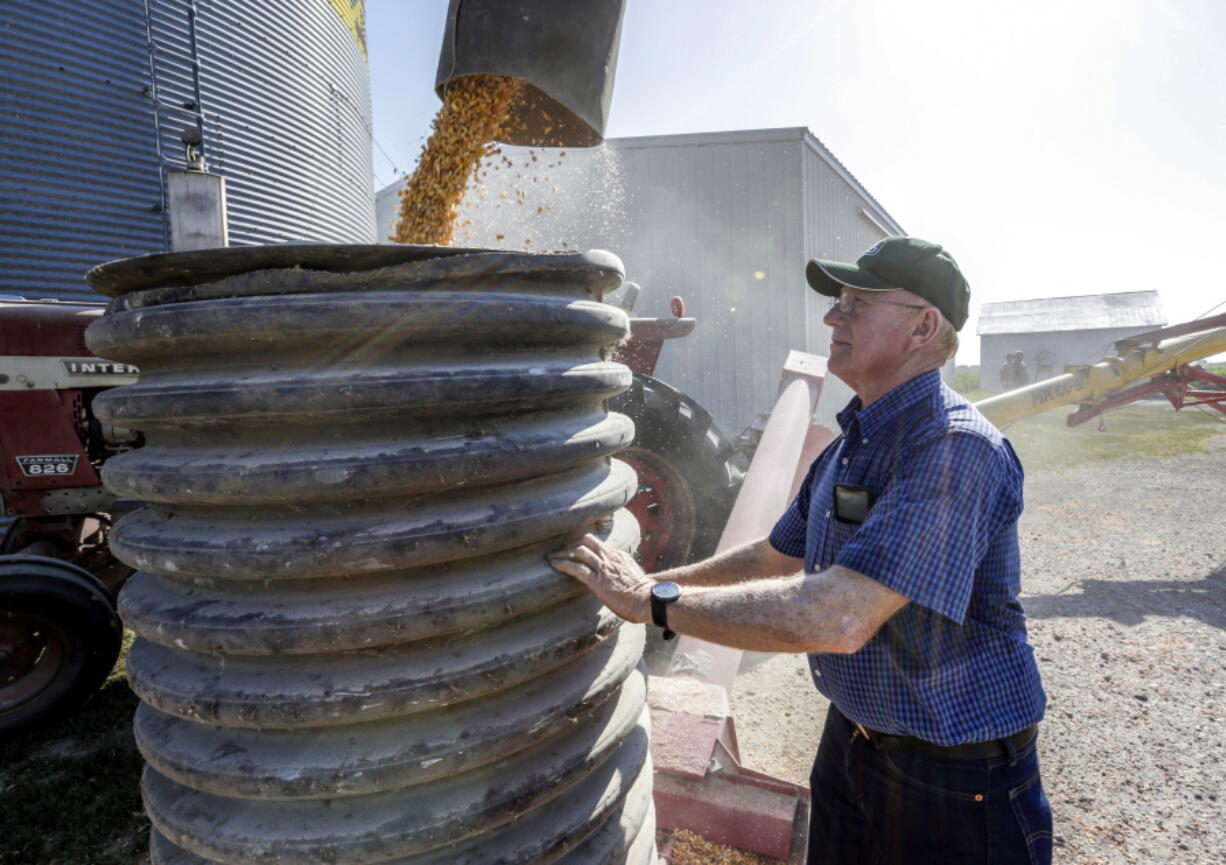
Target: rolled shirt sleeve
{"points": [[791, 530], [930, 528]]}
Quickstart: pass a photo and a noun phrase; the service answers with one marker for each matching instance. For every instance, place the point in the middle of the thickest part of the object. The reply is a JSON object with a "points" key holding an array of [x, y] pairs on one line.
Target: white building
{"points": [[726, 220], [1054, 332]]}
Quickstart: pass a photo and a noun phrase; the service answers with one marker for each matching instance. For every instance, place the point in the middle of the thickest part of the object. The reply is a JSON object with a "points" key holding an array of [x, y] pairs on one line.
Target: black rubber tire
{"points": [[66, 618], [692, 456]]}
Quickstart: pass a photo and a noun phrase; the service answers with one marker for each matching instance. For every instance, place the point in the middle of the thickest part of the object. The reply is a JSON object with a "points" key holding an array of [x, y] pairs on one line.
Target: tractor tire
{"points": [[687, 482], [59, 637]]}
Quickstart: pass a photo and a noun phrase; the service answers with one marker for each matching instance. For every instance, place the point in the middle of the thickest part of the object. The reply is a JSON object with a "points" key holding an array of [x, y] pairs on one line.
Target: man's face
{"points": [[872, 339]]}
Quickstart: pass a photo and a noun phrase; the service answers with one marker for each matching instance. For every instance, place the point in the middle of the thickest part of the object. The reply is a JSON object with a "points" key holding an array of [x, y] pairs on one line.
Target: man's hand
{"points": [[613, 576]]}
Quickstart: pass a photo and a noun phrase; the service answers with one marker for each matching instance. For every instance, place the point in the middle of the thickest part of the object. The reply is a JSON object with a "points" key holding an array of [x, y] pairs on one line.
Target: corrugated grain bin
{"points": [[727, 220], [95, 96]]}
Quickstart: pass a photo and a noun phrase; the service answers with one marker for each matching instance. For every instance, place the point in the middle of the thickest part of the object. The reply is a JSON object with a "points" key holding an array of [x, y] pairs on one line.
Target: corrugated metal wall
{"points": [[79, 175], [718, 222], [726, 220], [93, 97], [286, 98]]}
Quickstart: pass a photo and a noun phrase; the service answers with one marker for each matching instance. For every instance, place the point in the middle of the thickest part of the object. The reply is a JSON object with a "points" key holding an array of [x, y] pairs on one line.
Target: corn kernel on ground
{"points": [[691, 849]]}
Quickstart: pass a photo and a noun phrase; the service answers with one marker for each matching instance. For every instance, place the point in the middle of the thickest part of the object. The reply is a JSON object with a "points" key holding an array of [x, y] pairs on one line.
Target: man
{"points": [[1021, 376], [896, 569], [1007, 375]]}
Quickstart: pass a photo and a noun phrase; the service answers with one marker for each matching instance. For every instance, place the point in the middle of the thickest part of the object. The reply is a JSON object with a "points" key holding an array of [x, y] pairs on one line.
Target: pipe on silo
{"points": [[350, 649]]}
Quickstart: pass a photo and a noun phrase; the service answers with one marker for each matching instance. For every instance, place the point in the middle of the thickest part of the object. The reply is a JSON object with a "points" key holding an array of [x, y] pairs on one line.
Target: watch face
{"points": [[666, 591]]}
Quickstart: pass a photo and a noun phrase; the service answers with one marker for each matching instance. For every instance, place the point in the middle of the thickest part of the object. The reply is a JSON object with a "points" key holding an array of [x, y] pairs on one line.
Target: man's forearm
{"points": [[760, 602], [752, 561], [836, 610]]}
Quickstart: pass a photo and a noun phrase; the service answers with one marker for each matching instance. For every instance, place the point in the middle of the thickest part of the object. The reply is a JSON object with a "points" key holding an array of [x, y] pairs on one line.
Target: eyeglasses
{"points": [[846, 302]]}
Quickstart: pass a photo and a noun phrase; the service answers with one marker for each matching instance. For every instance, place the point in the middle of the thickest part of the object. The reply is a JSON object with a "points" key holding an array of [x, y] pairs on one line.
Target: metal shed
{"points": [[1054, 332], [94, 96], [726, 220]]}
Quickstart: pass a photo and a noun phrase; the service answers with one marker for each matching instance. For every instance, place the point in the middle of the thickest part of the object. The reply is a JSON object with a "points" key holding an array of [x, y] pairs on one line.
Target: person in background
{"points": [[1021, 377], [1007, 373], [896, 570]]}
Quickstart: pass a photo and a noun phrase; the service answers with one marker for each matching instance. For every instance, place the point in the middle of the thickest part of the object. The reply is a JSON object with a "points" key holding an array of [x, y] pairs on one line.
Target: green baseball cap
{"points": [[896, 263]]}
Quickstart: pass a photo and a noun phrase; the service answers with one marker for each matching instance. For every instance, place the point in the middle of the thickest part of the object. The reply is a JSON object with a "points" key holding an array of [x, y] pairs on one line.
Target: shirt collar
{"points": [[892, 404]]}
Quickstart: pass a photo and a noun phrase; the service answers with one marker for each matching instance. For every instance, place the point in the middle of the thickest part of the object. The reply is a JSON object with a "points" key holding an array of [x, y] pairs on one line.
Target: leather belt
{"points": [[969, 751]]}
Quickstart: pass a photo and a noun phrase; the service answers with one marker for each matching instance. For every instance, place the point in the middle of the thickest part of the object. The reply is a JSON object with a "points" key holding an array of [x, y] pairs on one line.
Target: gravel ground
{"points": [[1124, 569]]}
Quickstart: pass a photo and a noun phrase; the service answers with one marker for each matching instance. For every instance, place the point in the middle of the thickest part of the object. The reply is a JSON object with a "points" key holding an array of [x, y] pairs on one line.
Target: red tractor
{"points": [[60, 633]]}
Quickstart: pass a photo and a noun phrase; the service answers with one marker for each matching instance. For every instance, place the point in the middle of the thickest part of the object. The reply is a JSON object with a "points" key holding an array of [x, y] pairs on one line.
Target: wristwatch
{"points": [[662, 594]]}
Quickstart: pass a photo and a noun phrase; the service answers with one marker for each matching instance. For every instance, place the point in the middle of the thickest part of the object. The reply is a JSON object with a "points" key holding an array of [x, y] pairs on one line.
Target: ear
{"points": [[927, 326]]}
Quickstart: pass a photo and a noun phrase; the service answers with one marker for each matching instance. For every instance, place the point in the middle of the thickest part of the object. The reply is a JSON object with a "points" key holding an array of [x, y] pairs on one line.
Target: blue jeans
{"points": [[887, 806]]}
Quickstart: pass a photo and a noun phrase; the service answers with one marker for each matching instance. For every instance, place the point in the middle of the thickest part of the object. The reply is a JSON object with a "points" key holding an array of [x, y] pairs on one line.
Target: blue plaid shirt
{"points": [[952, 666]]}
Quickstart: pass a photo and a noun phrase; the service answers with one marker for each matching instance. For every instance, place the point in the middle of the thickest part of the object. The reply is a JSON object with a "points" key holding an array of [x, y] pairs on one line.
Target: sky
{"points": [[1055, 147]]}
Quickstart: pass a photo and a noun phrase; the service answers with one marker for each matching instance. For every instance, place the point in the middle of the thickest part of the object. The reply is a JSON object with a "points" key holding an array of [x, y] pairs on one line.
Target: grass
{"points": [[1153, 430], [1144, 429], [966, 378], [69, 792]]}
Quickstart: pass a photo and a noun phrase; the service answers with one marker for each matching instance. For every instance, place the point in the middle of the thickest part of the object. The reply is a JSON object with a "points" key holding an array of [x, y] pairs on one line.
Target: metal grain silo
{"points": [[94, 96]]}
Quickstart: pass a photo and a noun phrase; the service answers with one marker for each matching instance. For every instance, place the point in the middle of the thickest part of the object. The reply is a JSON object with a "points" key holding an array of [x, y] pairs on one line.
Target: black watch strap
{"points": [[663, 594]]}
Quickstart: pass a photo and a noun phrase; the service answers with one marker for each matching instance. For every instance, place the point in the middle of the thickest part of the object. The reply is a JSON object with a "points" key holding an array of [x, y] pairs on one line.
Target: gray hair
{"points": [[947, 339]]}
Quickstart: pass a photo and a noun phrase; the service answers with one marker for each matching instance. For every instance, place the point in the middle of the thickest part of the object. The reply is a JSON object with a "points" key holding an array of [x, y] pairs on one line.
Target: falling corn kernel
{"points": [[476, 110]]}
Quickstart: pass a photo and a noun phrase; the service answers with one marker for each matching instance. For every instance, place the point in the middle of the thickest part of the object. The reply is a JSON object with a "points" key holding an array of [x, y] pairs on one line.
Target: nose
{"points": [[834, 316]]}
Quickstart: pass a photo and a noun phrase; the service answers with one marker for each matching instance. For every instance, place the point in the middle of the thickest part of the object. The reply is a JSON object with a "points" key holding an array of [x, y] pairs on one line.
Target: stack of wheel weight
{"points": [[350, 648]]}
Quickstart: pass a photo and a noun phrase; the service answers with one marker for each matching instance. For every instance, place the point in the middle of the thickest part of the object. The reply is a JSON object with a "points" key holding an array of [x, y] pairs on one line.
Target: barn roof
{"points": [[1082, 312]]}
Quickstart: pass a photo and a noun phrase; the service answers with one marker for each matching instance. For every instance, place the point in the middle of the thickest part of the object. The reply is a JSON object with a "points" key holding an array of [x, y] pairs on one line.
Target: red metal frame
{"points": [[1175, 386], [700, 784], [38, 328], [38, 420], [641, 351]]}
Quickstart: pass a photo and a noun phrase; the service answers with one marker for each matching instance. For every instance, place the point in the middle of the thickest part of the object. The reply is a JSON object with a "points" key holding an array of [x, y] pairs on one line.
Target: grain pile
{"points": [[690, 849], [476, 110]]}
